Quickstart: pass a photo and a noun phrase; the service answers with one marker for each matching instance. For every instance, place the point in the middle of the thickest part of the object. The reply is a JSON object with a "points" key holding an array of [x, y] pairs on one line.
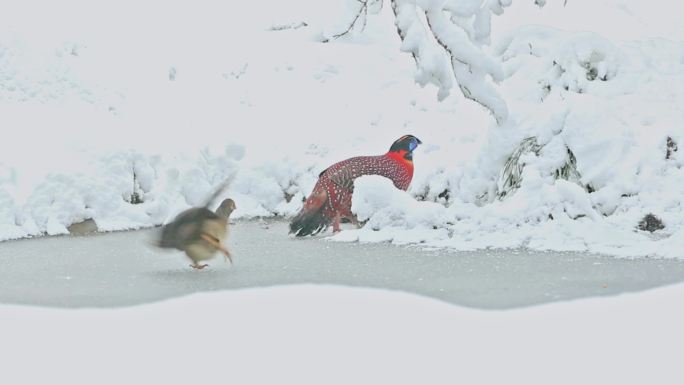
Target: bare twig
{"points": [[283, 27], [363, 10]]}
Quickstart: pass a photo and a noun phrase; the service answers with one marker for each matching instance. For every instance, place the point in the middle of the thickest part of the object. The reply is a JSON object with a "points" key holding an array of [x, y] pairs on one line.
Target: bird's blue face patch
{"points": [[413, 144], [406, 143]]}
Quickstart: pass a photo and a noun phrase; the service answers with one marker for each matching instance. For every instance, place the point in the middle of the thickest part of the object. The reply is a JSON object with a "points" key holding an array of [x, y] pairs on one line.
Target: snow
{"points": [[97, 117], [395, 216], [129, 112], [335, 335], [445, 41]]}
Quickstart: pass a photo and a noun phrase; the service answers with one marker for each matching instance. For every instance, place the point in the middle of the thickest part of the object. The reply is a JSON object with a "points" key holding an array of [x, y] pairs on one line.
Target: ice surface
{"points": [[120, 269]]}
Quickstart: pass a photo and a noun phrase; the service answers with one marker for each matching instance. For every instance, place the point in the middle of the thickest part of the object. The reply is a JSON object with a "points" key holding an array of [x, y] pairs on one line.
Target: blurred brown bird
{"points": [[199, 232]]}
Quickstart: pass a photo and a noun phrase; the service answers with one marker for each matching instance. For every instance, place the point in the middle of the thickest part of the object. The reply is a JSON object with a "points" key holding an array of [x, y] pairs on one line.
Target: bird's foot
{"points": [[197, 266], [227, 256]]}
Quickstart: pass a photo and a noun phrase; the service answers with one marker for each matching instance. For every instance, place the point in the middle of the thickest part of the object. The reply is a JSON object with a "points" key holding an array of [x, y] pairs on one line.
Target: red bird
{"points": [[330, 200]]}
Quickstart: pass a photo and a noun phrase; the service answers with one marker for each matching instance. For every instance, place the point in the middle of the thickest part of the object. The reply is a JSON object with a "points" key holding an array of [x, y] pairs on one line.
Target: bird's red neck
{"points": [[400, 157]]}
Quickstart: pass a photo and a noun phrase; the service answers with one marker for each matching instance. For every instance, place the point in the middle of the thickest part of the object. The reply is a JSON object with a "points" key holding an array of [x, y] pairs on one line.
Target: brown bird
{"points": [[199, 232]]}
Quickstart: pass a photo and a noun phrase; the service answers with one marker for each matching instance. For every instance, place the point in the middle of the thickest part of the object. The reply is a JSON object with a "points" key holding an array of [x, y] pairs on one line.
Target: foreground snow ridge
{"points": [[337, 335]]}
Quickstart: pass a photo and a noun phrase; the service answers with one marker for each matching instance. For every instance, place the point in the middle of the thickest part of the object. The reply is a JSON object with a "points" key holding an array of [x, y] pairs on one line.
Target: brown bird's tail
{"points": [[219, 189], [167, 239], [311, 219], [187, 226]]}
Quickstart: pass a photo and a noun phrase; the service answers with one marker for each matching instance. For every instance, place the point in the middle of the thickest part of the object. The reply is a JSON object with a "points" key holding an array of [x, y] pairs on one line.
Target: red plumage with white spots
{"points": [[330, 201]]}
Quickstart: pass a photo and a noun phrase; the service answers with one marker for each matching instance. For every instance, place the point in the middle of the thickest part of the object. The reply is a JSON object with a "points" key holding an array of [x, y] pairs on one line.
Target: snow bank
{"points": [[396, 216], [335, 335], [94, 115], [122, 190], [592, 101], [100, 125]]}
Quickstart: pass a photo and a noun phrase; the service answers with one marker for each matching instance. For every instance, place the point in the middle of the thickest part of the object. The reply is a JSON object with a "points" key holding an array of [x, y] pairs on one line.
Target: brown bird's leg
{"points": [[212, 241], [197, 266]]}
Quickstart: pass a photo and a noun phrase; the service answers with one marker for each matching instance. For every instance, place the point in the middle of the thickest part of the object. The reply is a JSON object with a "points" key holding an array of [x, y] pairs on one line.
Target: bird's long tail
{"points": [[311, 220]]}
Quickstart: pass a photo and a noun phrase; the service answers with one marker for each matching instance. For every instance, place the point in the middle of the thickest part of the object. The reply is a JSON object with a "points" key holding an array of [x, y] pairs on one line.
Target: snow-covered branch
{"points": [[457, 29], [469, 64], [446, 39]]}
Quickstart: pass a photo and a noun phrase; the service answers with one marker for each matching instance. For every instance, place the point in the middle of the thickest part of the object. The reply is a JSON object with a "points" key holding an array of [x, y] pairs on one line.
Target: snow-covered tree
{"points": [[446, 39]]}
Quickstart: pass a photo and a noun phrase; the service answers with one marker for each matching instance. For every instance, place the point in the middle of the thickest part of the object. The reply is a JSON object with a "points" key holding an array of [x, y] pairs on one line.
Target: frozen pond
{"points": [[120, 269]]}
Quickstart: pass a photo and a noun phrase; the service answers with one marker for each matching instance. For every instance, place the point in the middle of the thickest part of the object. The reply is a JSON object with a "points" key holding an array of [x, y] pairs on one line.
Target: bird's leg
{"points": [[227, 256], [197, 266], [355, 221], [212, 241], [336, 223]]}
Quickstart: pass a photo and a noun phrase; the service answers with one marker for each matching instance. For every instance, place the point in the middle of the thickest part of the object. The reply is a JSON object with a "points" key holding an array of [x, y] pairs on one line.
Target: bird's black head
{"points": [[406, 144]]}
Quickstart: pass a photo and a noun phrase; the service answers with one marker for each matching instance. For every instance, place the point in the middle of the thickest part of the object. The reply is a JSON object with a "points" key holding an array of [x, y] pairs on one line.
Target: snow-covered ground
{"points": [[335, 335], [105, 106], [127, 112]]}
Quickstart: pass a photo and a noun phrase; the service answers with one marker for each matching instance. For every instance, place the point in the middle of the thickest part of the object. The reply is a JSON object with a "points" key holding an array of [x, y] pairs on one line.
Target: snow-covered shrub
{"points": [[580, 60], [9, 217], [650, 223], [277, 186], [511, 174], [120, 190], [510, 177], [569, 62], [65, 199], [131, 173], [671, 148], [604, 105]]}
